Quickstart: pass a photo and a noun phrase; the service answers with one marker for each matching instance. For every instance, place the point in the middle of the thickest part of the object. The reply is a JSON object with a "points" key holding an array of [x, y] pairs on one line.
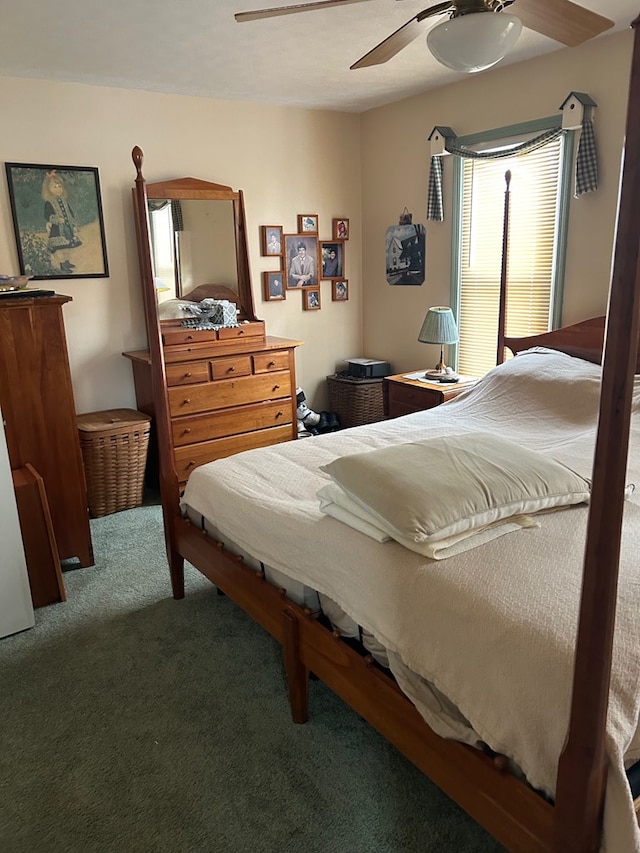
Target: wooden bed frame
{"points": [[508, 808]]}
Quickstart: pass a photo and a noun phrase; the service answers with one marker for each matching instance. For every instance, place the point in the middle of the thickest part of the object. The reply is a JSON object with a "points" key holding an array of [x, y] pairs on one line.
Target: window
{"points": [[540, 183]]}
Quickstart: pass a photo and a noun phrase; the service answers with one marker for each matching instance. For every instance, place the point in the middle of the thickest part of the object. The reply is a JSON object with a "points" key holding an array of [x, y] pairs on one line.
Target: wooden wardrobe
{"points": [[36, 397]]}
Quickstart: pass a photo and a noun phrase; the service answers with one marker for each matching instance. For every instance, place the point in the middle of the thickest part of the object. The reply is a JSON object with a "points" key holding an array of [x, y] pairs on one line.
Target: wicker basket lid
{"points": [[119, 418]]}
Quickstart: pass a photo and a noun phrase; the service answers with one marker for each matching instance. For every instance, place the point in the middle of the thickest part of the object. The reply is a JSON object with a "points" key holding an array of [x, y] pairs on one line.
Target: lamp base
{"points": [[441, 373]]}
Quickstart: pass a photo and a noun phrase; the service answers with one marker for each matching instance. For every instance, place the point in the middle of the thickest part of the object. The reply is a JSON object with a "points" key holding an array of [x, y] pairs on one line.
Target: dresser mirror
{"points": [[192, 242]]}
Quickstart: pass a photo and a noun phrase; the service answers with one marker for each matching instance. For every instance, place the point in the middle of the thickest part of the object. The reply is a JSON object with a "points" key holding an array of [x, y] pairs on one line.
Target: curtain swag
{"points": [[586, 162]]}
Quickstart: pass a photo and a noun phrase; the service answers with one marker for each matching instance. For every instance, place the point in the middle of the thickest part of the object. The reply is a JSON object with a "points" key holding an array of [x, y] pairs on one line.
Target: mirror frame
{"points": [[182, 188]]}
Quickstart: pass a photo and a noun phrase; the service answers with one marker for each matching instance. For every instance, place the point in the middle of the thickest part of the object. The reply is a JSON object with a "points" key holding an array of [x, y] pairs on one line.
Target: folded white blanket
{"points": [[445, 495], [334, 501]]}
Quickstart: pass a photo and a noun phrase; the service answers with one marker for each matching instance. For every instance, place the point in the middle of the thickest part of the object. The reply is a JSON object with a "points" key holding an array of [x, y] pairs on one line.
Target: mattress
{"points": [[493, 630]]}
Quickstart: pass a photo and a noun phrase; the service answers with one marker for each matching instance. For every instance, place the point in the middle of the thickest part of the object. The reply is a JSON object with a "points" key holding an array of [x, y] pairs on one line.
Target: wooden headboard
{"points": [[583, 340]]}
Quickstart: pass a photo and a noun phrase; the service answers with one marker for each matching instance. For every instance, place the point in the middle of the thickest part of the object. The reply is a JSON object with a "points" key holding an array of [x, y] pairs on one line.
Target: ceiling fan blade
{"points": [[561, 20], [277, 11], [398, 40]]}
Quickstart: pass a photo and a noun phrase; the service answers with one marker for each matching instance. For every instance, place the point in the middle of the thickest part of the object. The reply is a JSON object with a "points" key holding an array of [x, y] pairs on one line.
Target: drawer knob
{"points": [[271, 364], [191, 463], [275, 387], [230, 369], [279, 414], [186, 401], [241, 331], [186, 431], [187, 375], [189, 337]]}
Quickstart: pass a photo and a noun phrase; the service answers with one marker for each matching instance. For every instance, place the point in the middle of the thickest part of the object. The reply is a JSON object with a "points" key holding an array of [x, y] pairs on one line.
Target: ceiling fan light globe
{"points": [[474, 42]]}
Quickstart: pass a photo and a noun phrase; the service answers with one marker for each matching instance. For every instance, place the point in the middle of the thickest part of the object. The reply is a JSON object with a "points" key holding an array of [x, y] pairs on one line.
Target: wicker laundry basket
{"points": [[356, 401], [114, 448]]}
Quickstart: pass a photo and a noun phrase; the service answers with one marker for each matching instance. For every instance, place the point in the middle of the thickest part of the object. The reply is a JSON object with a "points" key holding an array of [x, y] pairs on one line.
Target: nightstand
{"points": [[403, 396]]}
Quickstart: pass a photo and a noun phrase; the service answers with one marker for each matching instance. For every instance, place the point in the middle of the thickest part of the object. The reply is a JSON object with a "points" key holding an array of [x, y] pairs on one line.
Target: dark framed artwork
{"points": [[301, 260], [57, 218], [405, 254], [271, 240], [332, 256], [308, 223], [340, 290], [311, 299], [273, 286], [340, 229]]}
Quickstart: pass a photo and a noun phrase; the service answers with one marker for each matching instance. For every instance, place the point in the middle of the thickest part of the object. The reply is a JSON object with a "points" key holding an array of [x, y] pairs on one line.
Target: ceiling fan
{"points": [[469, 39]]}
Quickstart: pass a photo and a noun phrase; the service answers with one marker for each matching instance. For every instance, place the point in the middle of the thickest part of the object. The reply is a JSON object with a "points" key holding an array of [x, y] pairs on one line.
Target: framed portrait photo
{"points": [[311, 299], [273, 286], [340, 229], [271, 240], [339, 290], [308, 223], [332, 258], [301, 260], [57, 218]]}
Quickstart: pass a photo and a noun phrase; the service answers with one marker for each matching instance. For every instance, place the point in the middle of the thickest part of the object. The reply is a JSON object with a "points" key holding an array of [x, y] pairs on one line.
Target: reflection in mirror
{"points": [[193, 243]]}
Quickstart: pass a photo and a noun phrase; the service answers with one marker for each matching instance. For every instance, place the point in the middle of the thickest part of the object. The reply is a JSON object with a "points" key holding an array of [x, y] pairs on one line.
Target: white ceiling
{"points": [[195, 47]]}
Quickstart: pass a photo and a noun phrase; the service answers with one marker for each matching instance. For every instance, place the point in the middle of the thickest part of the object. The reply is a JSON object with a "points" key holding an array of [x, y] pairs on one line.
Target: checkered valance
{"points": [[586, 171]]}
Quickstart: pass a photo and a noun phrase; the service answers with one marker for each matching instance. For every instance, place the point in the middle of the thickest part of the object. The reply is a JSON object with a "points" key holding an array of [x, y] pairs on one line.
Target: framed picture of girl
{"points": [[57, 218], [340, 229]]}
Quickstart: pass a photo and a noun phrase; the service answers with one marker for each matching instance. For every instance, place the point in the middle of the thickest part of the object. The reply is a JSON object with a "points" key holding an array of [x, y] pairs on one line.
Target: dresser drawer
{"points": [[198, 350], [190, 430], [188, 336], [244, 330], [188, 458], [265, 362], [229, 392], [224, 368], [186, 374]]}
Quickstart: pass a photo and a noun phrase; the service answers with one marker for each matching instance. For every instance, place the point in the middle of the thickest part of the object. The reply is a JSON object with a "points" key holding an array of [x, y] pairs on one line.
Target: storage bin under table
{"points": [[114, 446], [356, 401]]}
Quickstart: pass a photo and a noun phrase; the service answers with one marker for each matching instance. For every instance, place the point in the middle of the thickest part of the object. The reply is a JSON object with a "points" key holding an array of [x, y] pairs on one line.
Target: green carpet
{"points": [[133, 722]]}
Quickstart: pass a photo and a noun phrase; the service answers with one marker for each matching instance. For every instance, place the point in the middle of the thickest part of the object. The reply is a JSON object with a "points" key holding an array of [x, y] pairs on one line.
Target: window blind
{"points": [[533, 218]]}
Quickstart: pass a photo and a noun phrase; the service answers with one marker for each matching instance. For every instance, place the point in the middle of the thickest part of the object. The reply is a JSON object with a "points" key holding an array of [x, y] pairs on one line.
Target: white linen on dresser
{"points": [[493, 629]]}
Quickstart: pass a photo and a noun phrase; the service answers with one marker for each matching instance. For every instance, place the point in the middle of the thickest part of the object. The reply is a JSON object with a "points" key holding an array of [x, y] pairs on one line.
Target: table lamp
{"points": [[439, 327]]}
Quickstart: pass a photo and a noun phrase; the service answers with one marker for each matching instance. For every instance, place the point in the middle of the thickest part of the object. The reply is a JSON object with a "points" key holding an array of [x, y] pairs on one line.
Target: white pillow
{"points": [[444, 490]]}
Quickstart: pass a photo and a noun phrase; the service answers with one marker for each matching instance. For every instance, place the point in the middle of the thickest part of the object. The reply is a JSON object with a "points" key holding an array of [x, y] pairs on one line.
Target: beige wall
{"points": [[291, 161], [287, 161], [395, 167]]}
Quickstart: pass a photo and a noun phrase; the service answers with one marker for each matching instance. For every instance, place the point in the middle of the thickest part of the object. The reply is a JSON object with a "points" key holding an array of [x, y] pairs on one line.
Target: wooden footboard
{"points": [[509, 809]]}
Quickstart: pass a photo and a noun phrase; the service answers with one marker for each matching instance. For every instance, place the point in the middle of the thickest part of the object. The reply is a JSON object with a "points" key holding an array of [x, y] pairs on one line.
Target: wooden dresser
{"points": [[36, 397], [229, 389]]}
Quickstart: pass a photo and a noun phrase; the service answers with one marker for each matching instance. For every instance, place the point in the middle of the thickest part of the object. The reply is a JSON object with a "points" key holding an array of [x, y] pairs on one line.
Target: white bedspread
{"points": [[494, 628]]}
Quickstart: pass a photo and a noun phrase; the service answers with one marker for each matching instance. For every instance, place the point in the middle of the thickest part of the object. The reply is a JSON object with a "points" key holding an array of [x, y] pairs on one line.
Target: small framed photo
{"points": [[273, 286], [311, 299], [332, 257], [340, 229], [301, 260], [271, 240], [340, 290], [308, 223], [57, 217]]}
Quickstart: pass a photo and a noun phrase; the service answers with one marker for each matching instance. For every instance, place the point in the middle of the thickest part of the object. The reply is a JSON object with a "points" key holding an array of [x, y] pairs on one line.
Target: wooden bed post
{"points": [[582, 770], [169, 489], [502, 312]]}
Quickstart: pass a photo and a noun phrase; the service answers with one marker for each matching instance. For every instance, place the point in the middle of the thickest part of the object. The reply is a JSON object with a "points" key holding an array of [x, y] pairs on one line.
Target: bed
{"points": [[504, 648]]}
